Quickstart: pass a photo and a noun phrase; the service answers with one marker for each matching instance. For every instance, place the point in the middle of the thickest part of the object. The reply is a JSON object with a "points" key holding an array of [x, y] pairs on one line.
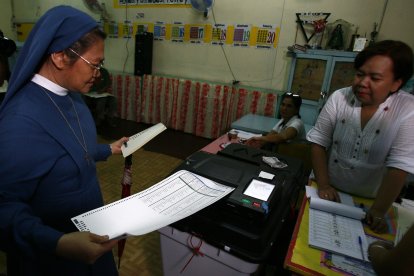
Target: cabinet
{"points": [[315, 74]]}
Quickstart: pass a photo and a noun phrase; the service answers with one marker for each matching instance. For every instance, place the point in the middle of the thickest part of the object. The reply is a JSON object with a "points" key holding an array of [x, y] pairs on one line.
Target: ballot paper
{"points": [[174, 198], [245, 134], [136, 141]]}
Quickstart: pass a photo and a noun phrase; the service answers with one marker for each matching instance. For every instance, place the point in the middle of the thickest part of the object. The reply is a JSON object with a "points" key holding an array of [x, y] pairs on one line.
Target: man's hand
{"points": [[83, 246]]}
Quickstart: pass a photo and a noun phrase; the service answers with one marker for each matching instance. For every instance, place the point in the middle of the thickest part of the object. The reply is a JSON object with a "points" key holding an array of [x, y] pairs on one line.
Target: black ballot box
{"points": [[246, 224]]}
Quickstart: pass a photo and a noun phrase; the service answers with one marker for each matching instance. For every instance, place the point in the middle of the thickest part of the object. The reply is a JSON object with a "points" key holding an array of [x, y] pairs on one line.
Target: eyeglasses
{"points": [[96, 67], [292, 94]]}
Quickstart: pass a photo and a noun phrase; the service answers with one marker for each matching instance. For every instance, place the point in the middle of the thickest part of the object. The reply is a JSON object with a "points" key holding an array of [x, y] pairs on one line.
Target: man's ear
{"points": [[58, 59]]}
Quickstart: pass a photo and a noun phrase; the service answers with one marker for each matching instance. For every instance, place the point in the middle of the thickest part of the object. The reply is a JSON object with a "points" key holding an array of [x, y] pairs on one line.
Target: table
{"points": [[259, 124], [217, 144], [305, 260], [214, 146], [255, 123]]}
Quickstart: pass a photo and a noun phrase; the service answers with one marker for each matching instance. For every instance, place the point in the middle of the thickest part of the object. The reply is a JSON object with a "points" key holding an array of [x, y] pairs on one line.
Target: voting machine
{"points": [[247, 222]]}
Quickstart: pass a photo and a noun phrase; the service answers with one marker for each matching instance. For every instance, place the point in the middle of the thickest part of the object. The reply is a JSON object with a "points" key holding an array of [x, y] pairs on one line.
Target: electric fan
{"points": [[202, 5], [96, 7]]}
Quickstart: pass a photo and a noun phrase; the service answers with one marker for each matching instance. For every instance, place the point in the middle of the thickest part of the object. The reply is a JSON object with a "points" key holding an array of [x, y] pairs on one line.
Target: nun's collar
{"points": [[49, 85]]}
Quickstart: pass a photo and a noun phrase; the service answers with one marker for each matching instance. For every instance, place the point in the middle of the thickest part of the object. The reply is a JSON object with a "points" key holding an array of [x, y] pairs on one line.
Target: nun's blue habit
{"points": [[44, 178]]}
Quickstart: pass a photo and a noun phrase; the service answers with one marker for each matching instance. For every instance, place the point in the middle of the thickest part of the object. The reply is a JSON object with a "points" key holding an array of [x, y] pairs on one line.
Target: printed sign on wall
{"points": [[219, 34], [177, 32], [241, 35], [267, 36], [196, 33], [127, 29], [150, 3], [160, 31]]}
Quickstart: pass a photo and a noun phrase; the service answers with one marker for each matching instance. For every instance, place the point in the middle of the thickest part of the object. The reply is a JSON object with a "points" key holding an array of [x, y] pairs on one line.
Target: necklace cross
{"points": [[83, 145]]}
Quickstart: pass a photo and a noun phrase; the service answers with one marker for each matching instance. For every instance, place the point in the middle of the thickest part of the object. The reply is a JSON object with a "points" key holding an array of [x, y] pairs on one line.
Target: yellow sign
{"points": [[151, 4]]}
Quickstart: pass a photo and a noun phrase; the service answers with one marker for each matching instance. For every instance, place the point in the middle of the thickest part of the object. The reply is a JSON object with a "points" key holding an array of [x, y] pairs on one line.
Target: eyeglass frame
{"points": [[292, 94], [98, 67]]}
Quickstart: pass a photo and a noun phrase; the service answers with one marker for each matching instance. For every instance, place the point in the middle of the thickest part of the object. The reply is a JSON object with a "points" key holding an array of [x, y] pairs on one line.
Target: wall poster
{"points": [[241, 35], [219, 34]]}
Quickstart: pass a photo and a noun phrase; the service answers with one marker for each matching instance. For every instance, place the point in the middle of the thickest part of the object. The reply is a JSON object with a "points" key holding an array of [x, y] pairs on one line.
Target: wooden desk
{"points": [[305, 260]]}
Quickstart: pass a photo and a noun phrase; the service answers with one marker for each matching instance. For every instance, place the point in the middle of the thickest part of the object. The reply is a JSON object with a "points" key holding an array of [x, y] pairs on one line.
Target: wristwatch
{"points": [[380, 245]]}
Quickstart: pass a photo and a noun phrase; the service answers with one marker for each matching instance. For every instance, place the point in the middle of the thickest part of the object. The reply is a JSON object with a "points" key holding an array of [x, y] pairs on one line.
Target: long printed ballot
{"points": [[176, 197], [136, 141]]}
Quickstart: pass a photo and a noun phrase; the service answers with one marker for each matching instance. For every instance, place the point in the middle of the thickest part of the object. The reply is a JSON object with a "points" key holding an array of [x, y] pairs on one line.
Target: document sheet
{"points": [[176, 197], [405, 218], [136, 141], [337, 228]]}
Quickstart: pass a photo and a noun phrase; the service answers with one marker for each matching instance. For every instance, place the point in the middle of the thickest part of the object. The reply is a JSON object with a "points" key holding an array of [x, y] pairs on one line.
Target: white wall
{"points": [[252, 67], [6, 19]]}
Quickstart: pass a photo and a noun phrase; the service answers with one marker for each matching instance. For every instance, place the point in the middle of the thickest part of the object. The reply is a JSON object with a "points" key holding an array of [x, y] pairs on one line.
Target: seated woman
{"points": [[289, 128]]}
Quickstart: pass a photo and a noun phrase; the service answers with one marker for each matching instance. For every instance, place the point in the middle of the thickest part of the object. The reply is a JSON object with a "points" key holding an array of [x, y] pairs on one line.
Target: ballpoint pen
{"points": [[360, 247]]}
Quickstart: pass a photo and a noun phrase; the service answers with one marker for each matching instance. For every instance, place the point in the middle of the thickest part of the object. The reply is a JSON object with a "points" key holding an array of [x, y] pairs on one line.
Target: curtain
{"points": [[201, 108]]}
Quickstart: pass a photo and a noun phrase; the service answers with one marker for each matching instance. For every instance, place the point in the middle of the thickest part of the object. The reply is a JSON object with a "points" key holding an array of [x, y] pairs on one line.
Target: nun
{"points": [[49, 150]]}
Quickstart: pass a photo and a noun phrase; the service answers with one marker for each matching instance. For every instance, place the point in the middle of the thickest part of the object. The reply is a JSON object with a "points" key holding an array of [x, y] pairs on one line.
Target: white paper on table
{"points": [[407, 203], [345, 198], [404, 222], [245, 135], [352, 265], [336, 227], [176, 197], [335, 233], [337, 208]]}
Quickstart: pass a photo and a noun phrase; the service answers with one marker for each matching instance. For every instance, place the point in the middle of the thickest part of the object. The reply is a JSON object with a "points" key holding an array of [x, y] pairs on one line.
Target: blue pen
{"points": [[360, 247]]}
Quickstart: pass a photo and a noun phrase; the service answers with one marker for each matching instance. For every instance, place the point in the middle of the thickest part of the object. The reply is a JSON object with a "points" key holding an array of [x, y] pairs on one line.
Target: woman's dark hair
{"points": [[400, 53], [85, 42], [296, 100]]}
